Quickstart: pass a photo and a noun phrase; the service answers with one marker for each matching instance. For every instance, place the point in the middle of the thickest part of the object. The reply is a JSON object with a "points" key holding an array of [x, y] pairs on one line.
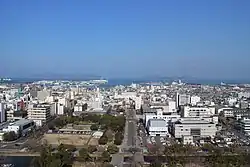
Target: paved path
{"points": [[130, 141]]}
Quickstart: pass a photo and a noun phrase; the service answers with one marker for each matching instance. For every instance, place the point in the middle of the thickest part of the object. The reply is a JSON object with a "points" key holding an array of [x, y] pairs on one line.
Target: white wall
{"points": [[2, 113], [198, 111], [195, 100], [162, 131], [167, 118], [138, 103], [171, 106], [60, 109], [207, 130]]}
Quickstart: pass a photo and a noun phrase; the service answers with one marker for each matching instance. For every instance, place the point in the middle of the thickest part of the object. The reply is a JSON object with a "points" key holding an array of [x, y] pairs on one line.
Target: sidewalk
{"points": [[125, 139]]}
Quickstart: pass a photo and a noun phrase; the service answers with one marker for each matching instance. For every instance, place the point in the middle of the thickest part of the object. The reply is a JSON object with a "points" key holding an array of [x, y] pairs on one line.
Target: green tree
{"points": [[108, 165], [106, 157], [84, 154], [103, 140], [156, 163], [118, 138], [9, 136], [51, 126], [61, 158], [118, 141], [113, 149], [92, 149], [94, 127]]}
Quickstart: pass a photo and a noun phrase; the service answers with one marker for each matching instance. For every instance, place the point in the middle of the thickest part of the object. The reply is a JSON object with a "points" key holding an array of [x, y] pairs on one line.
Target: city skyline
{"points": [[208, 39]]}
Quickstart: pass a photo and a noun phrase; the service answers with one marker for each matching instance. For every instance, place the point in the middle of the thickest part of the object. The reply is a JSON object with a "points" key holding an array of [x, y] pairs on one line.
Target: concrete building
{"points": [[228, 113], [244, 95], [232, 101], [2, 112], [57, 109], [78, 108], [158, 115], [138, 102], [194, 100], [189, 111], [43, 94], [241, 113], [39, 114], [172, 107], [182, 99], [157, 127], [20, 127], [187, 140], [65, 102], [244, 125], [244, 104], [194, 128]]}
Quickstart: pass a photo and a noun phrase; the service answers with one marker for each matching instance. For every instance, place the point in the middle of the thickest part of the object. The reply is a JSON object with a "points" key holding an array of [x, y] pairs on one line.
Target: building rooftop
{"points": [[193, 122], [157, 123], [4, 125], [21, 122]]}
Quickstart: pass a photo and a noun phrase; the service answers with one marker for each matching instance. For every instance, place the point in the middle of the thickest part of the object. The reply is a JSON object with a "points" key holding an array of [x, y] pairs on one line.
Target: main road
{"points": [[130, 142]]}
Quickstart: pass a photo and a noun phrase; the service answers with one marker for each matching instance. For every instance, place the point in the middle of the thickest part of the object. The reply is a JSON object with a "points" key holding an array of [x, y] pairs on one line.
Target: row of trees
{"points": [[60, 157], [104, 139], [10, 136], [114, 123], [85, 155], [212, 156], [214, 160], [180, 149]]}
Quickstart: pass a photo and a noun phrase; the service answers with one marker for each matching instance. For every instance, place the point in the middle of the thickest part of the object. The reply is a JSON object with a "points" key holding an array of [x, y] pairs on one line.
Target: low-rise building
{"points": [[244, 125], [189, 111], [194, 128], [228, 113], [157, 127], [241, 113], [160, 115], [20, 127]]}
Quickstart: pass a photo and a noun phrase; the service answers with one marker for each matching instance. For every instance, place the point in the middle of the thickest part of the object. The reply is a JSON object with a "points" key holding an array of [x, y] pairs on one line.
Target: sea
{"points": [[125, 81]]}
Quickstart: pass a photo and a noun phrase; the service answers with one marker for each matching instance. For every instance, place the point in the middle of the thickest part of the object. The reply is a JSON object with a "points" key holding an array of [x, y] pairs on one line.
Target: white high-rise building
{"points": [[2, 112], [182, 99], [172, 106], [138, 102]]}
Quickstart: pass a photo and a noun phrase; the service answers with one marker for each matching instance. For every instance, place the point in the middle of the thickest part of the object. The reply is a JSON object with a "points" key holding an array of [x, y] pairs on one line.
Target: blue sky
{"points": [[125, 38]]}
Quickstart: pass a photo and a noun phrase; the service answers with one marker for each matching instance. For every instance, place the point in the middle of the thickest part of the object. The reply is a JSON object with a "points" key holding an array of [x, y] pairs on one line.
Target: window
{"points": [[195, 132]]}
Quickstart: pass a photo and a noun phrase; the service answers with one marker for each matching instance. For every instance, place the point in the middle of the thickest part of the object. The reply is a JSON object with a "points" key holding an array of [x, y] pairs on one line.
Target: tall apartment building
{"points": [[182, 99], [57, 109], [2, 112], [39, 114]]}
